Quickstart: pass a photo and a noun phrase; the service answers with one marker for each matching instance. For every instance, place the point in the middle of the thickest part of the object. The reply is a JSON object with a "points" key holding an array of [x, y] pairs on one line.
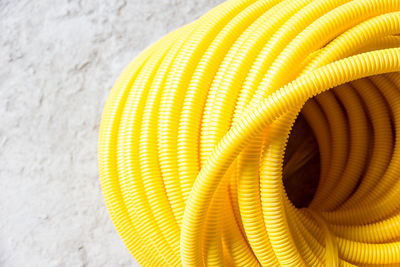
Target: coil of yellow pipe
{"points": [[194, 133]]}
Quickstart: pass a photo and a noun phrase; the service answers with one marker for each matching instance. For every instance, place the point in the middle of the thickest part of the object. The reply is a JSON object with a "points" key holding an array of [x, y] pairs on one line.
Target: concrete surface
{"points": [[58, 62]]}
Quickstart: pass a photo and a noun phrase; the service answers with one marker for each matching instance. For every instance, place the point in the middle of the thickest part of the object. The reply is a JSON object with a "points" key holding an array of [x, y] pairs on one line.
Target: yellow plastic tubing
{"points": [[194, 132]]}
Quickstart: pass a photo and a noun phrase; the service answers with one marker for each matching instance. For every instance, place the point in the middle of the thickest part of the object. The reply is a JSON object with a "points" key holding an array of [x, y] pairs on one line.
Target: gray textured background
{"points": [[58, 62]]}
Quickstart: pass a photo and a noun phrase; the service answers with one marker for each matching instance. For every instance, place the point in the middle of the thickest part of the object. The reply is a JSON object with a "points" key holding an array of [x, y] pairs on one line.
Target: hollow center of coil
{"points": [[301, 170]]}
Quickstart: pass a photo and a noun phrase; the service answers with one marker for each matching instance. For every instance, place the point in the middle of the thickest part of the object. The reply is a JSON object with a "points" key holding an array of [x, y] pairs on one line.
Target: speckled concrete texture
{"points": [[59, 59]]}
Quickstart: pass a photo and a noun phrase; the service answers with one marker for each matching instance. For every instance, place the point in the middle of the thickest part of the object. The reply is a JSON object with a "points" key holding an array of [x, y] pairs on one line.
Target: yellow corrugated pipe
{"points": [[194, 132]]}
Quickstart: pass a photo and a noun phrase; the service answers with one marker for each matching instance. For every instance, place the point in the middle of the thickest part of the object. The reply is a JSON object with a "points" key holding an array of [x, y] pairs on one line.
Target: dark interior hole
{"points": [[301, 164]]}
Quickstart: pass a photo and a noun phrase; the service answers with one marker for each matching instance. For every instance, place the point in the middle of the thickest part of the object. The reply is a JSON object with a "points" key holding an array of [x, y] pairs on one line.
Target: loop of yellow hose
{"points": [[194, 132]]}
